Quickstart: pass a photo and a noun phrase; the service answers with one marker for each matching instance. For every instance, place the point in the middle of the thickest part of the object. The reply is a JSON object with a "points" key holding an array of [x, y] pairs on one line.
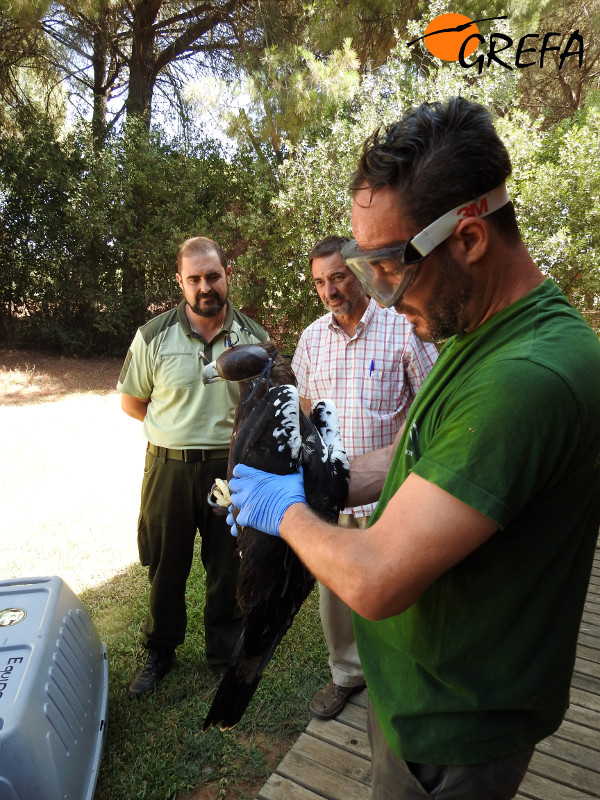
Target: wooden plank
{"points": [[588, 627], [360, 699], [573, 752], [591, 640], [582, 735], [589, 654], [565, 773], [352, 766], [591, 618], [354, 716], [321, 779], [538, 787], [585, 683], [278, 787], [585, 699], [340, 735], [584, 717], [584, 666]]}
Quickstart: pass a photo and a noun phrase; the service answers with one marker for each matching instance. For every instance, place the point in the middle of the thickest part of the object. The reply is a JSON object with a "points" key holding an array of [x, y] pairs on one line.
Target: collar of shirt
{"points": [[207, 346], [361, 325]]}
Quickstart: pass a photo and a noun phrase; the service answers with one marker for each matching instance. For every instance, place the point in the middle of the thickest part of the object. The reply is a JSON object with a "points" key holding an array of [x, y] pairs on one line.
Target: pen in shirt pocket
{"points": [[371, 368]]}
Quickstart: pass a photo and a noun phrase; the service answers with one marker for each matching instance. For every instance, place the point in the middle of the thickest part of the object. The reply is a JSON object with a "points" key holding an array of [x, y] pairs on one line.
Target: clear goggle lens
{"points": [[385, 274]]}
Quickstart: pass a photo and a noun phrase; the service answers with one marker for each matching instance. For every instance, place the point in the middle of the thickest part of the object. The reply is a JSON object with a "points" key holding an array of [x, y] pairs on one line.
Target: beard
{"points": [[347, 301], [339, 310], [207, 305], [444, 313]]}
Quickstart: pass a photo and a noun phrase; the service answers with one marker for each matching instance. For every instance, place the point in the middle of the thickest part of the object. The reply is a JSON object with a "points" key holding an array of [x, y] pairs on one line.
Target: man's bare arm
{"points": [[134, 406], [368, 473], [382, 571], [305, 405]]}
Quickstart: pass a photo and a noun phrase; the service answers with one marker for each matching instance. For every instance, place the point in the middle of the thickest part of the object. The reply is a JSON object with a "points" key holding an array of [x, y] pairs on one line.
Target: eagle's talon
{"points": [[219, 496]]}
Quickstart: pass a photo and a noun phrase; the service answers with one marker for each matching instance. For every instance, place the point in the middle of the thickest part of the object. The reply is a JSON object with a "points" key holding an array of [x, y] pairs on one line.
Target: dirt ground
{"points": [[71, 466]]}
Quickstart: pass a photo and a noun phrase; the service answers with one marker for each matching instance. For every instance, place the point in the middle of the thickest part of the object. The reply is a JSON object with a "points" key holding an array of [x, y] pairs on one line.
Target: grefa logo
{"points": [[455, 37]]}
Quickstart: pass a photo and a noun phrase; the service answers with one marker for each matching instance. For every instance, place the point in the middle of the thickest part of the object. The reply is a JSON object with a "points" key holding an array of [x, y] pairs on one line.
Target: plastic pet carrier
{"points": [[53, 693]]}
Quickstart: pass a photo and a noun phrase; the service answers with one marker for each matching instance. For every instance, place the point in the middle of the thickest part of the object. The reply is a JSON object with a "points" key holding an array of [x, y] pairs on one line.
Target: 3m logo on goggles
{"points": [[443, 227], [474, 209]]}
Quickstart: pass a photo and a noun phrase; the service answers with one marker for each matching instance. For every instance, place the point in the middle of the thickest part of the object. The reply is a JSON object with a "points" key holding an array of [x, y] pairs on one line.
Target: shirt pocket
{"points": [[381, 393], [175, 369]]}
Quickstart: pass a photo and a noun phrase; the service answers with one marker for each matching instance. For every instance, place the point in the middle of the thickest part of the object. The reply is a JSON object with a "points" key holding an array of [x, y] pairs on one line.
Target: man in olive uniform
{"points": [[188, 427]]}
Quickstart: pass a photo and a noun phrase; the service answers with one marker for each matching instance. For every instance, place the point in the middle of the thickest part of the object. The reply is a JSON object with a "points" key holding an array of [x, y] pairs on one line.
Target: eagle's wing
{"points": [[273, 583], [324, 460]]}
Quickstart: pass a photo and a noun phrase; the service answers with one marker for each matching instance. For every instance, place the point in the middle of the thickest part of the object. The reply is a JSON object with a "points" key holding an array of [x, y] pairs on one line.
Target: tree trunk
{"points": [[142, 64], [99, 63]]}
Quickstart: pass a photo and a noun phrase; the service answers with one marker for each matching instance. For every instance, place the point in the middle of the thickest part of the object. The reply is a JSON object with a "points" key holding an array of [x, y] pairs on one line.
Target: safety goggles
{"points": [[386, 273]]}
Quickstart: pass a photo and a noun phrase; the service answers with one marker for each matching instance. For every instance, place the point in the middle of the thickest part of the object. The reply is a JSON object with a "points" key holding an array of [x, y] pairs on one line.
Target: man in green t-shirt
{"points": [[469, 584], [188, 427]]}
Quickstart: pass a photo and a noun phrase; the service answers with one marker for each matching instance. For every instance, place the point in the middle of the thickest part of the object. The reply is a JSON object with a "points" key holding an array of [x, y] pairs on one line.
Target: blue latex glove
{"points": [[231, 522], [263, 498]]}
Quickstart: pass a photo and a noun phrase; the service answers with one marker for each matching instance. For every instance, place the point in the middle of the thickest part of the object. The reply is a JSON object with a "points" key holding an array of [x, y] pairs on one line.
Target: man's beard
{"points": [[443, 316], [208, 309], [339, 311], [349, 301]]}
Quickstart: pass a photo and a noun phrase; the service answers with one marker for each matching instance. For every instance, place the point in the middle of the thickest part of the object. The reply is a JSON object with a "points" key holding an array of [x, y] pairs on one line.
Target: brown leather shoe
{"points": [[331, 699]]}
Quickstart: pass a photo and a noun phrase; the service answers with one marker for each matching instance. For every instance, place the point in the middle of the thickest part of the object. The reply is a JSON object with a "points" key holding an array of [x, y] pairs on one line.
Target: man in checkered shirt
{"points": [[368, 360]]}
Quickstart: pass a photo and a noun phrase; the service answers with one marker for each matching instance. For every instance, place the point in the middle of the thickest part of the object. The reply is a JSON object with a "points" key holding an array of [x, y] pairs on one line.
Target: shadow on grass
{"points": [[154, 748]]}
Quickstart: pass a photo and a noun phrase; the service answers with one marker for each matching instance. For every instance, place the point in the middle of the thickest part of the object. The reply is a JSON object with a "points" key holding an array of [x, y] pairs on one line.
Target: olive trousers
{"points": [[173, 508]]}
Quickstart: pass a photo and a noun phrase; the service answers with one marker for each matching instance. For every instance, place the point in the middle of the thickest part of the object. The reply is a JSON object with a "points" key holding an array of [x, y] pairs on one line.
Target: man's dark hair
{"points": [[200, 245], [437, 156], [327, 247]]}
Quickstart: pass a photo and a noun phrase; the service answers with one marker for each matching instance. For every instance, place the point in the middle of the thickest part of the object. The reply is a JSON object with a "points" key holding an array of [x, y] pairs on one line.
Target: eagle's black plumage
{"points": [[271, 433]]}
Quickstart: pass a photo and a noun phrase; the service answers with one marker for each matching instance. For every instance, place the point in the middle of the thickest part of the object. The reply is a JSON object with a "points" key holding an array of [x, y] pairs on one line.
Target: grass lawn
{"points": [[70, 474]]}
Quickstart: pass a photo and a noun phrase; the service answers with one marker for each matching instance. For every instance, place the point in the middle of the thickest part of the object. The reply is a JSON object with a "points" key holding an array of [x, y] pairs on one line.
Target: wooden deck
{"points": [[332, 759]]}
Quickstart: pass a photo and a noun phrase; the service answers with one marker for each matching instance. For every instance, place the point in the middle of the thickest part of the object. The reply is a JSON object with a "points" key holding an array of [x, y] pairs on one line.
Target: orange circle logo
{"points": [[449, 32]]}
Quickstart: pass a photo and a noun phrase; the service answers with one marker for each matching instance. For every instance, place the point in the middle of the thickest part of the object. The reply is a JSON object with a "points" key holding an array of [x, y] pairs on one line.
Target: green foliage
{"points": [[290, 93], [89, 240], [556, 184]]}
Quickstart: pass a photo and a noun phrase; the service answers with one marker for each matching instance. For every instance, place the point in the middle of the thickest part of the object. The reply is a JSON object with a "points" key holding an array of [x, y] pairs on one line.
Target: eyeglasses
{"points": [[387, 272]]}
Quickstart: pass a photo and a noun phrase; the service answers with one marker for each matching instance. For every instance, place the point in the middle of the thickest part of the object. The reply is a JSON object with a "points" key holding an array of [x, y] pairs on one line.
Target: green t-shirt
{"points": [[165, 362], [508, 421]]}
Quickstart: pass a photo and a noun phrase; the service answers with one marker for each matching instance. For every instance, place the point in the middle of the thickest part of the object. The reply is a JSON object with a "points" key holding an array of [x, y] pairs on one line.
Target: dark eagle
{"points": [[271, 433]]}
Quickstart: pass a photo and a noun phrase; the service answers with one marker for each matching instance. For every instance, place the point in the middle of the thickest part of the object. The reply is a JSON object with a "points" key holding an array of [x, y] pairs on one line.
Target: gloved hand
{"points": [[263, 498], [231, 522]]}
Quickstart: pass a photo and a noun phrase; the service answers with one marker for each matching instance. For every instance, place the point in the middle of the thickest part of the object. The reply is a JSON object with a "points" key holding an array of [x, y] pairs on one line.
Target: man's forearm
{"points": [[134, 406], [368, 473], [326, 549]]}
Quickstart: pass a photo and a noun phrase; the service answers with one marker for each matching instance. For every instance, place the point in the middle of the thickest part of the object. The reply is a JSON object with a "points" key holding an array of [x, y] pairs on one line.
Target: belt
{"points": [[190, 456]]}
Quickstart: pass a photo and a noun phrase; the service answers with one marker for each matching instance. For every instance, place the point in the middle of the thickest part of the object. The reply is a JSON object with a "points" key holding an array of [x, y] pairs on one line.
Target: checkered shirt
{"points": [[372, 377]]}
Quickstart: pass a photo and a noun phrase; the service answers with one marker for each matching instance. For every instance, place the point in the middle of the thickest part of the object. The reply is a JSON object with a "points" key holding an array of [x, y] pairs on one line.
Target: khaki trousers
{"points": [[336, 619]]}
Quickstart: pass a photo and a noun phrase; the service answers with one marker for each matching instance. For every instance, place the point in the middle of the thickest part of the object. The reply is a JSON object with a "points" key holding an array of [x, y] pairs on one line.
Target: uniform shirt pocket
{"points": [[175, 369]]}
